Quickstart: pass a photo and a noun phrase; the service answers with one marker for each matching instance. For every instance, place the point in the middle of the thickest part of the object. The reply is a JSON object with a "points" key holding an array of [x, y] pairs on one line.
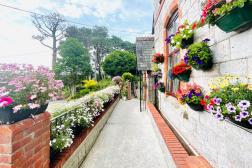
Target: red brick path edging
{"points": [[179, 154], [62, 157]]}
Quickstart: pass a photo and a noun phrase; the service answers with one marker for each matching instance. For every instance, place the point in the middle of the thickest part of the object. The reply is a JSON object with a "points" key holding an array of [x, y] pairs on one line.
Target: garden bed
{"points": [[83, 142]]}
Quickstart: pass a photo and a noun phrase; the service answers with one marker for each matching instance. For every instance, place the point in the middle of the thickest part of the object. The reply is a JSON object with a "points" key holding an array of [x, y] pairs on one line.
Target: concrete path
{"points": [[128, 140]]}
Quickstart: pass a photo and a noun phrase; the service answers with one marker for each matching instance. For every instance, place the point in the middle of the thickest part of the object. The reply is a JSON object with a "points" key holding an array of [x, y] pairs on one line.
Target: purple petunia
{"points": [[210, 108], [206, 40], [217, 101], [195, 58], [168, 40], [230, 108], [186, 58], [238, 118], [250, 121], [219, 116], [244, 114], [200, 62], [244, 104]]}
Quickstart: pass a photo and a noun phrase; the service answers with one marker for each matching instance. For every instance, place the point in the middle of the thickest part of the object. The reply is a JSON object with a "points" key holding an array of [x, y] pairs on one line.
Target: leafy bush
{"points": [[127, 76], [118, 62], [117, 80], [90, 84], [82, 113], [104, 83]]}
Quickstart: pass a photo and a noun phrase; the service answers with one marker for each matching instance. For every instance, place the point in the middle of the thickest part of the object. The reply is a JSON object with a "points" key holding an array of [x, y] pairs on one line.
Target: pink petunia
{"points": [[5, 101]]}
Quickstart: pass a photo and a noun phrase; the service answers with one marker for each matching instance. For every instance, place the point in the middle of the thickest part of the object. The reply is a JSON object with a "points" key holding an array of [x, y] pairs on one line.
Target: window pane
{"points": [[176, 81]]}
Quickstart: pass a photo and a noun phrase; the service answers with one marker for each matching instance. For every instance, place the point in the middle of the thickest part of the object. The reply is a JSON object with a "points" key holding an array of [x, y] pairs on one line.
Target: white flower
{"points": [[33, 105], [33, 97], [17, 108]]}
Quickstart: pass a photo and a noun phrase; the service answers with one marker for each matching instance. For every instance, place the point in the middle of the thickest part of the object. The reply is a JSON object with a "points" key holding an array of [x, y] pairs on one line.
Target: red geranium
{"points": [[180, 68], [158, 58]]}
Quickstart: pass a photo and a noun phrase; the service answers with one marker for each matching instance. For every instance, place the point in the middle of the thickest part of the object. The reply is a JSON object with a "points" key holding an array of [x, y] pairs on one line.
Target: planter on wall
{"points": [[244, 124], [7, 116], [185, 76], [187, 42], [237, 19], [196, 107]]}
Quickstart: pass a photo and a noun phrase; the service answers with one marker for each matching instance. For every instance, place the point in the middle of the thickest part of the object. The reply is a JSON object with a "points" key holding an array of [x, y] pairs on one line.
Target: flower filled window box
{"points": [[192, 95], [228, 15], [25, 91], [184, 36], [231, 98], [181, 71], [158, 58], [199, 56]]}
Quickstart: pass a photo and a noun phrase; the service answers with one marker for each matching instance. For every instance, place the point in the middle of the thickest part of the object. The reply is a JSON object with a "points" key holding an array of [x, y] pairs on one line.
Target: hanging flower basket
{"points": [[185, 76], [196, 107], [199, 56], [183, 37], [8, 116], [181, 71], [192, 95], [236, 19], [185, 43], [158, 58]]}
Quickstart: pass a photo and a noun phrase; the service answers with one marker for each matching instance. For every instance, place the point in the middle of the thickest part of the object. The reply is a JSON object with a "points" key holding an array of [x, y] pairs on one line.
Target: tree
{"points": [[50, 26], [118, 62], [74, 64], [99, 43], [117, 43]]}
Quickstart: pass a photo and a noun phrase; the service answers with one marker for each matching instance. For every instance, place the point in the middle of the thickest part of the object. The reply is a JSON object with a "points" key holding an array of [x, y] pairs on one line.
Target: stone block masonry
{"points": [[25, 144]]}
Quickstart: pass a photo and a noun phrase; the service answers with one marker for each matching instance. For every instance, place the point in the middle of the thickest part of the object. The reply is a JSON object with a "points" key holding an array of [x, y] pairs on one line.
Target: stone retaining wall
{"points": [[81, 152]]}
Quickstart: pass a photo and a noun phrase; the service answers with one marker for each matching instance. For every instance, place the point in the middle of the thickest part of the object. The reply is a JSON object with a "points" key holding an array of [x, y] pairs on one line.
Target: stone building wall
{"points": [[219, 142]]}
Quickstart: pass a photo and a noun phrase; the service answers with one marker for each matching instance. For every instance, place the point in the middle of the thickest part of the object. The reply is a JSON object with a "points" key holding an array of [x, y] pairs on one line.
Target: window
{"points": [[173, 55]]}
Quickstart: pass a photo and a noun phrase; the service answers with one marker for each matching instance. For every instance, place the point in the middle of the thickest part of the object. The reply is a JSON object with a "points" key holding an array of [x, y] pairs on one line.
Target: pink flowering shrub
{"points": [[27, 87]]}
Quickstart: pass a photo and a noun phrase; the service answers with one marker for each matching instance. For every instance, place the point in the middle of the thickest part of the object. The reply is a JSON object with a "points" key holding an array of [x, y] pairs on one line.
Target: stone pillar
{"points": [[26, 143]]}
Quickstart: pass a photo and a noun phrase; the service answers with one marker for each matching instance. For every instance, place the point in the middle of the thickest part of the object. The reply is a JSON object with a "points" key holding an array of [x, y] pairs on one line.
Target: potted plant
{"points": [[199, 55], [182, 71], [229, 15], [161, 87], [184, 36], [25, 91], [192, 95], [158, 58], [231, 98]]}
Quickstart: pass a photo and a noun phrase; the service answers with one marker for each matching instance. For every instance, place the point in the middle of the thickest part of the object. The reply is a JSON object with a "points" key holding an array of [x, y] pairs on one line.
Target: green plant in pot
{"points": [[25, 91], [199, 56], [181, 71], [232, 15], [231, 98]]}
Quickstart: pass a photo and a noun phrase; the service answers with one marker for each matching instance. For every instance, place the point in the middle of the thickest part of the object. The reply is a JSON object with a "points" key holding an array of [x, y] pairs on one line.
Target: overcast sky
{"points": [[122, 17]]}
